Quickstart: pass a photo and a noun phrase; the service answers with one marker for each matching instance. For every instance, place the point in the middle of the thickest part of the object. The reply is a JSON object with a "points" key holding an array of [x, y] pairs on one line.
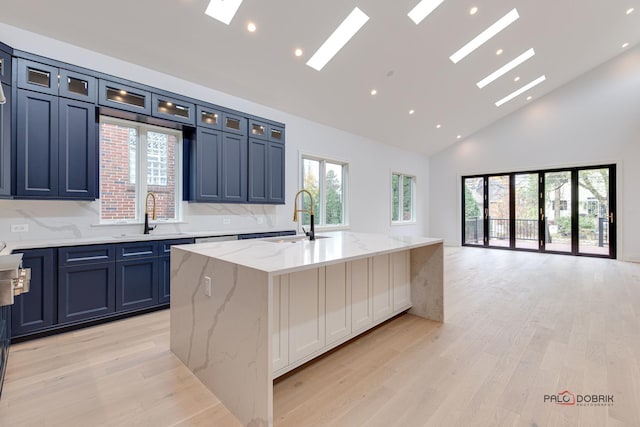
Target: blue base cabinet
{"points": [[86, 291], [36, 310], [164, 268], [137, 275]]}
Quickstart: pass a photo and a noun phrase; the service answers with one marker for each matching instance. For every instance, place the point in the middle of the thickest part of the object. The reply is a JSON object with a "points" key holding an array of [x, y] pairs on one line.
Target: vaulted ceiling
{"points": [[407, 64]]}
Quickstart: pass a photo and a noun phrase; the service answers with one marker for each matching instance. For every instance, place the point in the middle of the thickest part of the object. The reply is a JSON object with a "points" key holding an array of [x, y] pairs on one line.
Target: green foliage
{"points": [[471, 208]]}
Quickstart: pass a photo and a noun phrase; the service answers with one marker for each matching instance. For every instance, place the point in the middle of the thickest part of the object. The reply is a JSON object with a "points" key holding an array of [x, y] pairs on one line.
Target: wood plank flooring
{"points": [[518, 326]]}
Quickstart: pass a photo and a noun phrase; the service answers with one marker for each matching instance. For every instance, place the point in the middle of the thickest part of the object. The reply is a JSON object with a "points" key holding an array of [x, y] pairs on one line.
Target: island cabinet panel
{"points": [[306, 313], [400, 277], [338, 302], [361, 294], [280, 322], [382, 289]]}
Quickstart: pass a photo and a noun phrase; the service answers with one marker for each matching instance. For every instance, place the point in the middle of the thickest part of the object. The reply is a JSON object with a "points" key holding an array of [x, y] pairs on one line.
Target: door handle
{"points": [[611, 217], [541, 215]]}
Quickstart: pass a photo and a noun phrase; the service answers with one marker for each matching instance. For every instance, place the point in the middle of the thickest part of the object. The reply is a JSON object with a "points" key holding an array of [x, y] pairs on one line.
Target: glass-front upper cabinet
{"points": [[5, 67], [267, 131], [234, 123], [173, 109], [78, 86], [37, 77], [122, 97], [209, 117]]}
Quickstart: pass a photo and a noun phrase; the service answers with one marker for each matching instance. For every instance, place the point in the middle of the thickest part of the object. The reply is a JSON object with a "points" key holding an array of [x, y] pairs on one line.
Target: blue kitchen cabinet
{"points": [[5, 142], [137, 275], [164, 267], [207, 173], [5, 340], [234, 168], [266, 171], [86, 282], [5, 64], [36, 310], [56, 147]]}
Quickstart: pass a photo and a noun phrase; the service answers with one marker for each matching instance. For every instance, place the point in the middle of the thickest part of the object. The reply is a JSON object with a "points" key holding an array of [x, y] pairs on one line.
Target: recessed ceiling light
{"points": [[298, 52], [499, 52], [506, 68], [459, 136], [412, 111], [484, 36], [251, 27], [336, 41], [630, 11], [516, 79], [521, 90], [529, 98], [223, 10], [438, 126], [373, 91], [625, 45], [423, 9], [473, 10]]}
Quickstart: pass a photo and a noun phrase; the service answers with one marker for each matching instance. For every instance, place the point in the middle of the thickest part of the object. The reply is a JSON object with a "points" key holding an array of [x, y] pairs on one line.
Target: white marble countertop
{"points": [[287, 254], [118, 238]]}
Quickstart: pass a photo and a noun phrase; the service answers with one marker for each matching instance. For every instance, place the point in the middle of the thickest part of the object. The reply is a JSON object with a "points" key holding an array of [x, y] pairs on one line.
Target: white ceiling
{"points": [[407, 63]]}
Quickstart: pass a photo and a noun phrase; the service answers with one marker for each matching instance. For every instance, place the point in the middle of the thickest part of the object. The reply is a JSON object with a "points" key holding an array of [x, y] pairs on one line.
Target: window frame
{"points": [[322, 202], [141, 185], [414, 195]]}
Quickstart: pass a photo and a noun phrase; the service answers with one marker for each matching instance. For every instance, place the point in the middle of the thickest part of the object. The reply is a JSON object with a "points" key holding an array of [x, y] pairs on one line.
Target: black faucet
{"points": [[311, 233], [147, 227]]}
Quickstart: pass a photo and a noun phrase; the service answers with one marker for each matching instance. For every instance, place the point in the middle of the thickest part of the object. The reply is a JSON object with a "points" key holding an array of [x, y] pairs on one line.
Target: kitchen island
{"points": [[245, 312]]}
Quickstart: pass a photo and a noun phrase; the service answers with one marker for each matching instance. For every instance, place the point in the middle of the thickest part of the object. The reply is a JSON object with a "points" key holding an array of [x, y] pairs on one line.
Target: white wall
{"points": [[594, 119], [370, 164]]}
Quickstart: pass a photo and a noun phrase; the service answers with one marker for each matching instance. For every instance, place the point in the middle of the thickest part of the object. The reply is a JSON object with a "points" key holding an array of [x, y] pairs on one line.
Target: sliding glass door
{"points": [[569, 211]]}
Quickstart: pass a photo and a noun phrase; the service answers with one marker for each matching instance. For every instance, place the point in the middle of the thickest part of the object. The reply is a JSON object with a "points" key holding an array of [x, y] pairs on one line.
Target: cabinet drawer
{"points": [[123, 97], [136, 250], [37, 77], [90, 254], [5, 67], [165, 245]]}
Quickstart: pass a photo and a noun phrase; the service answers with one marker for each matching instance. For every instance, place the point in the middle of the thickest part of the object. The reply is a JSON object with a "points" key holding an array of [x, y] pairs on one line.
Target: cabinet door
{"points": [[280, 322], [382, 289], [136, 284], [208, 117], [258, 155], [86, 291], [35, 310], [208, 160], [401, 280], [306, 313], [173, 109], [337, 303], [5, 334], [37, 147], [275, 173], [77, 149], [78, 86], [122, 97], [164, 280], [234, 168], [5, 67], [5, 143], [361, 294], [37, 77]]}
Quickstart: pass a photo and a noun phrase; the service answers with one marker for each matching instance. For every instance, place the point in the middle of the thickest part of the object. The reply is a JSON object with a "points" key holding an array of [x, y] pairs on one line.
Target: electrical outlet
{"points": [[207, 286], [19, 228], [226, 221]]}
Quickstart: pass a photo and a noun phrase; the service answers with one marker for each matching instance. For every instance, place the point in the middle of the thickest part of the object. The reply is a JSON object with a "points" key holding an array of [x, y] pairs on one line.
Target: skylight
{"points": [[485, 36], [506, 68], [336, 41], [522, 90], [423, 9], [223, 10]]}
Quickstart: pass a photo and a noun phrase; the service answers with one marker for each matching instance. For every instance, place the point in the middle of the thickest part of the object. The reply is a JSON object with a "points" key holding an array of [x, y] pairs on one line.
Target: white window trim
{"points": [[345, 190], [414, 194], [141, 187]]}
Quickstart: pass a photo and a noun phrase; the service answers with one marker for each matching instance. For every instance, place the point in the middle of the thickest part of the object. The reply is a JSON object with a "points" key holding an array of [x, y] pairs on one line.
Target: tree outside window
{"points": [[325, 180]]}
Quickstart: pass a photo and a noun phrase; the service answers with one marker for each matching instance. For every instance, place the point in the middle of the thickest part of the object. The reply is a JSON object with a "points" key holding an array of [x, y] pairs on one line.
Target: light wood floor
{"points": [[518, 326]]}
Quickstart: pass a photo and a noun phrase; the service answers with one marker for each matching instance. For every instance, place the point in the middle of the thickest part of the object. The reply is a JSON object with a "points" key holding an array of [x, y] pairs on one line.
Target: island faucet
{"points": [[147, 227], [311, 233]]}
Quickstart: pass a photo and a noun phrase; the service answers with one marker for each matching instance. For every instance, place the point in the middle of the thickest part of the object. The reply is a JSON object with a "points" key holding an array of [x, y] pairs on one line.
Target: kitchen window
{"points": [[129, 150], [326, 180], [403, 190]]}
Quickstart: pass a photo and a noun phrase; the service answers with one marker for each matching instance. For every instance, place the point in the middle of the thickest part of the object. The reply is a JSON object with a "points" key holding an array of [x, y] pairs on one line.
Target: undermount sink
{"points": [[293, 239]]}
